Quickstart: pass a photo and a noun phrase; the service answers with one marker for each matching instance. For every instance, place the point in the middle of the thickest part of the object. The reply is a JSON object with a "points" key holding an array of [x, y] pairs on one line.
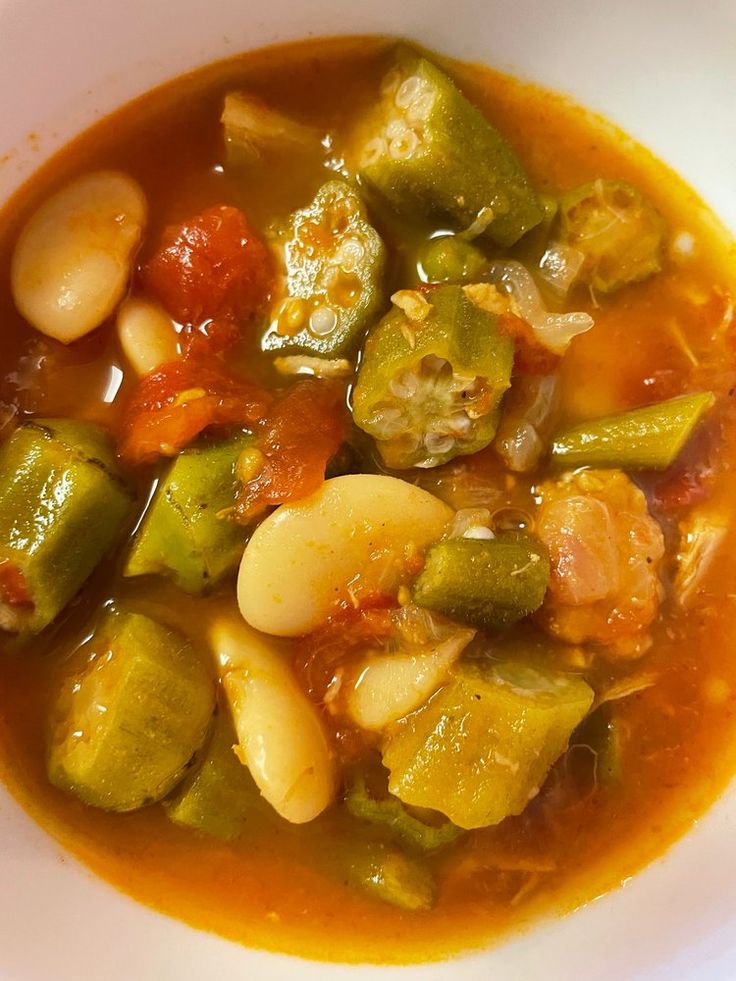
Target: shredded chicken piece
{"points": [[606, 551], [413, 304]]}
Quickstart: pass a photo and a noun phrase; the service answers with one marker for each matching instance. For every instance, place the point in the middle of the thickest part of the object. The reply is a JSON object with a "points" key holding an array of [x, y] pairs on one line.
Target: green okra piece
{"points": [[184, 535], [386, 873], [334, 263], [129, 726], [650, 438], [488, 584], [63, 504], [618, 230], [481, 748], [431, 153], [450, 259], [429, 385], [390, 813], [601, 732], [220, 797]]}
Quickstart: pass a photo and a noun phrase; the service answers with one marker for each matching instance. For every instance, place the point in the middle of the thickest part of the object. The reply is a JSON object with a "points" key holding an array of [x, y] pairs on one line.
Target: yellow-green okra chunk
{"points": [[487, 584], [450, 259], [126, 730], [388, 874], [334, 261], [481, 748], [220, 797], [431, 380], [63, 504], [430, 152], [184, 534], [649, 438], [617, 229]]}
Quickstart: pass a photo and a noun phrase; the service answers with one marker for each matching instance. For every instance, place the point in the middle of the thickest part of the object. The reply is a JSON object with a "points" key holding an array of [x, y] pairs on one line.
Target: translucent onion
{"points": [[559, 267], [553, 330]]}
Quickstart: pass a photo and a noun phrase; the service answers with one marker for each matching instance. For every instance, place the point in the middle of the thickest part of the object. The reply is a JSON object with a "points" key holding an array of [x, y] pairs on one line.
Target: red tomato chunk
{"points": [[212, 266]]}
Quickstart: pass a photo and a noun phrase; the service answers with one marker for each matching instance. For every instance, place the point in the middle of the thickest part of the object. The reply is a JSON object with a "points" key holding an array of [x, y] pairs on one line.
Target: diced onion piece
{"points": [[553, 330], [304, 364], [146, 335], [281, 738], [303, 560], [389, 686], [253, 127], [73, 259], [559, 267], [703, 534]]}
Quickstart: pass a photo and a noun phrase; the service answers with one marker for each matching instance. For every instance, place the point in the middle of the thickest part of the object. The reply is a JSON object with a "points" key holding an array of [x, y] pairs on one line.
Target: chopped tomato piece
{"points": [[530, 357], [347, 633], [301, 434], [175, 403], [690, 480], [212, 338], [211, 267], [13, 587]]}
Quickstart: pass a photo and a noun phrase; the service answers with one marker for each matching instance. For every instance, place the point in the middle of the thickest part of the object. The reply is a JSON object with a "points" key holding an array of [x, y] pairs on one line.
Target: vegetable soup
{"points": [[366, 501]]}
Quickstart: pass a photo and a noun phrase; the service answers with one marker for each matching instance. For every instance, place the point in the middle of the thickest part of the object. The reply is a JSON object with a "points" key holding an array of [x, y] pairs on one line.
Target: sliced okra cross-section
{"points": [[430, 152], [334, 261], [431, 380]]}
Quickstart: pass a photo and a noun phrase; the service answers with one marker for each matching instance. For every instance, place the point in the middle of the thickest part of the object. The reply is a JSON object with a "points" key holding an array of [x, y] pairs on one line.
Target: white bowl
{"points": [[665, 71]]}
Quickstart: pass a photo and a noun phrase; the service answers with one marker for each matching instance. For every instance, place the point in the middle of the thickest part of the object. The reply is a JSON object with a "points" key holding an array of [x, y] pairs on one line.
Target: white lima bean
{"points": [[305, 558], [73, 259], [281, 738], [146, 334], [389, 686]]}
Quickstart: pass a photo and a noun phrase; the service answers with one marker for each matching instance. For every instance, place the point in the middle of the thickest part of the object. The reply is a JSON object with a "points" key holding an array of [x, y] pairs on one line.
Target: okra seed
{"points": [[408, 91], [391, 82], [250, 463], [419, 110], [373, 151], [322, 321], [460, 424], [292, 315], [396, 128], [350, 253], [402, 147], [404, 386], [391, 422], [437, 443]]}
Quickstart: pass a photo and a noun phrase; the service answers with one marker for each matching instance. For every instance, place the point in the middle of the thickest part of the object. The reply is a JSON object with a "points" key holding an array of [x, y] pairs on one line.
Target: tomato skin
{"points": [[299, 437], [212, 266], [175, 403], [530, 357]]}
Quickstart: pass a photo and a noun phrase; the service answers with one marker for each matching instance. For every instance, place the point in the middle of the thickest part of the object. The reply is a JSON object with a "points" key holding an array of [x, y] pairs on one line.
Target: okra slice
{"points": [[650, 438], [483, 746], [220, 798], [430, 152], [128, 728], [184, 535], [390, 813], [450, 259], [618, 230], [393, 877], [486, 583], [431, 380], [334, 261], [63, 503]]}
